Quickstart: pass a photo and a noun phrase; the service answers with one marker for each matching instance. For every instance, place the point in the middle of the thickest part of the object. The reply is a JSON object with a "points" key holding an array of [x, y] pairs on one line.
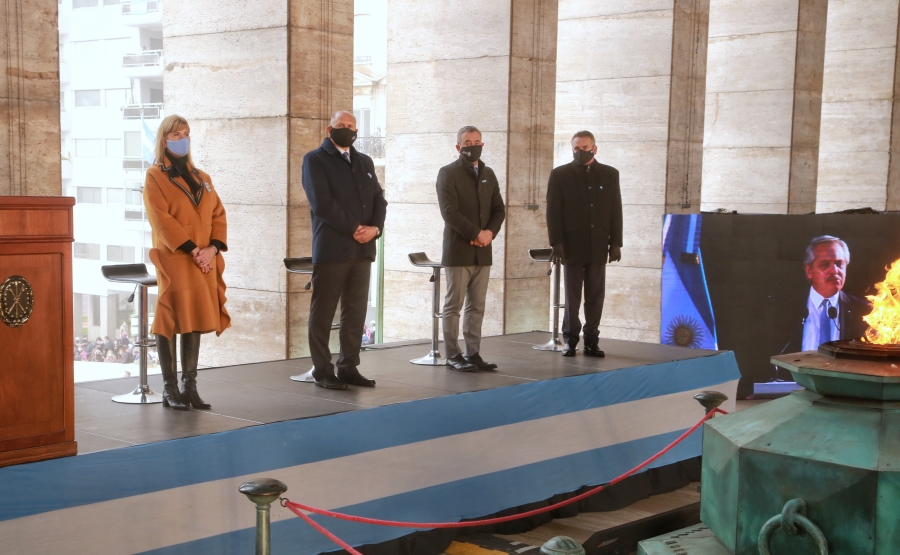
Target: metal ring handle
{"points": [[806, 525]]}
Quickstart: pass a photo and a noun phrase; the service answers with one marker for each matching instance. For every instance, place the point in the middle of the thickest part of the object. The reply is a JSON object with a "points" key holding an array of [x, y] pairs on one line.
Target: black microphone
{"points": [[833, 314]]}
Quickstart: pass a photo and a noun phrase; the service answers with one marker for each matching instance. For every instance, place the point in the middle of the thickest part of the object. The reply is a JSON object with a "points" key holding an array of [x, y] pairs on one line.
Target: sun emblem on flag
{"points": [[684, 331]]}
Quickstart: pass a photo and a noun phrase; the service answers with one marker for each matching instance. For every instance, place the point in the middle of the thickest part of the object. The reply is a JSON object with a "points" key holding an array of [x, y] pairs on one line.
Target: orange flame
{"points": [[884, 320]]}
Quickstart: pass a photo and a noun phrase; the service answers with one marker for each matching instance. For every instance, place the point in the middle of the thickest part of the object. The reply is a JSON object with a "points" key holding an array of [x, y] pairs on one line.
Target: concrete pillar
{"points": [[634, 74], [258, 83], [858, 166], [763, 105], [487, 64], [29, 99]]}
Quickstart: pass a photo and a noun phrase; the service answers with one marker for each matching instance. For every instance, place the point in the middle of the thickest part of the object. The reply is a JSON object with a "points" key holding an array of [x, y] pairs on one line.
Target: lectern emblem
{"points": [[16, 301]]}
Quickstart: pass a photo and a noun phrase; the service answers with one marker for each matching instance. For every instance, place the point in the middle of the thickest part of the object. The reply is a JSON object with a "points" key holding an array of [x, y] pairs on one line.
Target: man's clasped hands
{"points": [[484, 238]]}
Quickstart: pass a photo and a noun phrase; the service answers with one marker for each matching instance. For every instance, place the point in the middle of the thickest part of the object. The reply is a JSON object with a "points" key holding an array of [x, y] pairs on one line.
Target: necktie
{"points": [[346, 156], [825, 323], [476, 169]]}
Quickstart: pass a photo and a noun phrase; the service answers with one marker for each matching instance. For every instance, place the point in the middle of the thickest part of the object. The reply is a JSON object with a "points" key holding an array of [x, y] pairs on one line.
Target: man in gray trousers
{"points": [[473, 211]]}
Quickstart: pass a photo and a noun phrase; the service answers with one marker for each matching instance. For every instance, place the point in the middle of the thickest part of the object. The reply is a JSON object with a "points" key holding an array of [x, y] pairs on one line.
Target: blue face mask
{"points": [[179, 147]]}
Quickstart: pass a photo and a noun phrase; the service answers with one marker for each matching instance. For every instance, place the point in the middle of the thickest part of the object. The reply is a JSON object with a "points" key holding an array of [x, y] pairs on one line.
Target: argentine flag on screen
{"points": [[148, 143], [687, 317]]}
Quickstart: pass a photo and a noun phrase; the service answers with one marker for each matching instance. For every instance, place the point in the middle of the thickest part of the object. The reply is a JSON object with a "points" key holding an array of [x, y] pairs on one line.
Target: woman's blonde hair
{"points": [[168, 125]]}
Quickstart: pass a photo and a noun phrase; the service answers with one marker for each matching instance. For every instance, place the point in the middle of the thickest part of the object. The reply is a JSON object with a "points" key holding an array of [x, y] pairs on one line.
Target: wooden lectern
{"points": [[37, 388]]}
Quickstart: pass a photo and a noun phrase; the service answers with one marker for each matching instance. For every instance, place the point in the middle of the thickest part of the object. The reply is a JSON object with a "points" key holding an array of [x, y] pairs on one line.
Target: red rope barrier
{"points": [[322, 530], [298, 508]]}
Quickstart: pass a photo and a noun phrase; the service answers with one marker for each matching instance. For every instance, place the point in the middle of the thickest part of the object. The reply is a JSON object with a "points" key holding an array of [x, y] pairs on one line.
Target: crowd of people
{"points": [[120, 349]]}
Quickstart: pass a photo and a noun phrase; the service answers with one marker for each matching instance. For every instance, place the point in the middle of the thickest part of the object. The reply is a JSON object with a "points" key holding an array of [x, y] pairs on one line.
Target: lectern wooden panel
{"points": [[37, 389]]}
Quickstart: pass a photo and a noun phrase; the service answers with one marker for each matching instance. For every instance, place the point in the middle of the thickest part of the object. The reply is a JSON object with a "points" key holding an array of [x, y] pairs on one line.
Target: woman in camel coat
{"points": [[187, 220]]}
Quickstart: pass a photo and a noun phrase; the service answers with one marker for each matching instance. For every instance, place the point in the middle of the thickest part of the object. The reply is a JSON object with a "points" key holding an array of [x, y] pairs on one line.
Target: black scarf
{"points": [[179, 168]]}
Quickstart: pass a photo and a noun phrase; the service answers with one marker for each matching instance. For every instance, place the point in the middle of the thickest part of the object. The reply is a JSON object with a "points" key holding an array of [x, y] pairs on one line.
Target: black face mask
{"points": [[471, 153], [583, 156], [343, 136]]}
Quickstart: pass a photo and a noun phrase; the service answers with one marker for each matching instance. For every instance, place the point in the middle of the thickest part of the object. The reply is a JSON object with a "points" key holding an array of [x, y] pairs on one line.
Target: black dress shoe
{"points": [[568, 351], [460, 364], [593, 351], [480, 363], [353, 377], [329, 381]]}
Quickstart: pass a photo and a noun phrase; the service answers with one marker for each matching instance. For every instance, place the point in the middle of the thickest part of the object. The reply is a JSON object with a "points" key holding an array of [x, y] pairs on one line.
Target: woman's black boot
{"points": [[190, 355], [171, 397]]}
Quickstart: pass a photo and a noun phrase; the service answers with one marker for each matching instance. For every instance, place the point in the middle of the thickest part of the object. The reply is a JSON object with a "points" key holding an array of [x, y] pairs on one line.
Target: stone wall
{"points": [[258, 83], [858, 105], [633, 74], [763, 99], [444, 72], [29, 99]]}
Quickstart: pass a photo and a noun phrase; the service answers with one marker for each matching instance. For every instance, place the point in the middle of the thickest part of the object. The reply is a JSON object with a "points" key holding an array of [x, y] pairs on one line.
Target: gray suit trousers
{"points": [[469, 284]]}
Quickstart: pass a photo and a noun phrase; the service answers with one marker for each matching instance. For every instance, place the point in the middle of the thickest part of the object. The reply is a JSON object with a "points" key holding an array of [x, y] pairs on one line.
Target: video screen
{"points": [[762, 285]]}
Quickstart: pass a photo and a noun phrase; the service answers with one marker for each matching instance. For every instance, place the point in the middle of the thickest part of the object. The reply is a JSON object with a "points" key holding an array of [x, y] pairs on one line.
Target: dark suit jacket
{"points": [[586, 222], [468, 207], [341, 198], [851, 310]]}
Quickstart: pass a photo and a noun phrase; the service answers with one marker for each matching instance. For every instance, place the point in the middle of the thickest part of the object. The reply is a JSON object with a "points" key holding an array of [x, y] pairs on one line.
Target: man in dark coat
{"points": [[347, 208], [584, 223], [829, 313], [473, 211]]}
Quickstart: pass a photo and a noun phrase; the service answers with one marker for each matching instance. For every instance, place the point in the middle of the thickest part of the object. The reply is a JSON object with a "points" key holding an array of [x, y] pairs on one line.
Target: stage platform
{"points": [[427, 444]]}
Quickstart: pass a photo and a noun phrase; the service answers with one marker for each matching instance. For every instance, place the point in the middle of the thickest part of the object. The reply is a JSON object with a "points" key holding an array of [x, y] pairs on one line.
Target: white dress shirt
{"points": [[812, 335]]}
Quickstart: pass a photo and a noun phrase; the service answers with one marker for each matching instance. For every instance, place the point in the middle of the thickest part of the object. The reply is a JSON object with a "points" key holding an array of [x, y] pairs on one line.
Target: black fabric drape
{"points": [[655, 481]]}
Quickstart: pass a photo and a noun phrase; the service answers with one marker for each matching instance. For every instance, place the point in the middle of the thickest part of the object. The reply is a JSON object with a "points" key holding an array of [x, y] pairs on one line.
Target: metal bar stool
{"points": [[420, 260], [304, 265], [137, 274], [543, 255]]}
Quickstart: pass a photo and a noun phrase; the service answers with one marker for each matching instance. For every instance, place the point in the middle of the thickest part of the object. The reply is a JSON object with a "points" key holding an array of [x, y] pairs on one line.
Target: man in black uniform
{"points": [[347, 209], [584, 222]]}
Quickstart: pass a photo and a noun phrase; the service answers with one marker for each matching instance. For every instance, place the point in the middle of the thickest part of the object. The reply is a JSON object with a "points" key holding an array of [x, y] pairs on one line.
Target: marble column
{"points": [[258, 83], [487, 64], [633, 73], [858, 163], [29, 99], [763, 105]]}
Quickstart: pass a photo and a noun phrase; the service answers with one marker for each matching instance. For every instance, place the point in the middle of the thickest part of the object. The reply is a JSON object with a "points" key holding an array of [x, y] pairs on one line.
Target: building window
{"points": [[116, 98], [95, 310], [132, 144], [87, 99], [134, 198], [84, 4], [111, 2], [114, 148], [115, 253], [89, 195], [89, 147], [115, 196], [87, 250], [156, 96], [147, 256]]}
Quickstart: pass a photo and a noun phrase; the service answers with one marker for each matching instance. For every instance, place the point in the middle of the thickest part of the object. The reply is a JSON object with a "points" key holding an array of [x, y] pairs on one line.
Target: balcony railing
{"points": [[134, 163], [144, 59], [140, 7], [145, 111], [373, 146]]}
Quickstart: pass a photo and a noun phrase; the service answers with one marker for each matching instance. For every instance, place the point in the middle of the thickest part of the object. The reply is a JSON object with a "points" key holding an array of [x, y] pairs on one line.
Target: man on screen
{"points": [[831, 314]]}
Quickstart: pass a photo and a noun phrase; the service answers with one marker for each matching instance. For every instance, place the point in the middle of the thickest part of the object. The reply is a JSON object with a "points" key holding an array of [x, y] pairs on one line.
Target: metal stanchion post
{"points": [[263, 492], [710, 400]]}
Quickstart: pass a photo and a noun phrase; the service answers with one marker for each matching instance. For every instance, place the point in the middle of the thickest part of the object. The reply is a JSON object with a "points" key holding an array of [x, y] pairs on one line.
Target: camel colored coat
{"points": [[189, 300]]}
